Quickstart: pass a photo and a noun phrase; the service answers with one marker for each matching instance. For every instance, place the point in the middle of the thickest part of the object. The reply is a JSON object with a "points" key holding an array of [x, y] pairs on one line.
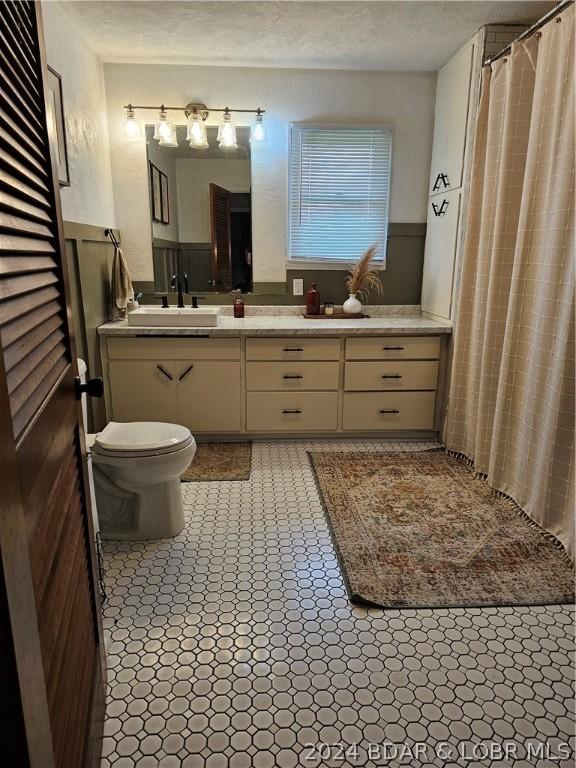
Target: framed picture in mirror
{"points": [[165, 201], [156, 192]]}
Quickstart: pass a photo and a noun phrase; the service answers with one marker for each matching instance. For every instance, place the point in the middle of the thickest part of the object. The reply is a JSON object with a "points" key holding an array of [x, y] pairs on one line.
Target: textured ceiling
{"points": [[374, 34]]}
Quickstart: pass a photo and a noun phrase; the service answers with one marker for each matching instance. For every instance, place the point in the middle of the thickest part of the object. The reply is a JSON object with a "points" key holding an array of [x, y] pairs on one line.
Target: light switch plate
{"points": [[298, 287]]}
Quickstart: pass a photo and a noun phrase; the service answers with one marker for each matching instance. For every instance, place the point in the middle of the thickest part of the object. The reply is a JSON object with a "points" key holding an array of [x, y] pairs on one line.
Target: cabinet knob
{"points": [[391, 376], [389, 410], [291, 410], [387, 349], [293, 349], [292, 376]]}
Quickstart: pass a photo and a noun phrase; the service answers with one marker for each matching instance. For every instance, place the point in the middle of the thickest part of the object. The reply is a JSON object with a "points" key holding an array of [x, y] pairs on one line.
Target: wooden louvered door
{"points": [[51, 650], [221, 237]]}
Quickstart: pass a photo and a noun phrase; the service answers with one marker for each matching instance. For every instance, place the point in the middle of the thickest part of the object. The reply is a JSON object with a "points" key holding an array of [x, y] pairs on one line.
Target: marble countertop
{"points": [[274, 325]]}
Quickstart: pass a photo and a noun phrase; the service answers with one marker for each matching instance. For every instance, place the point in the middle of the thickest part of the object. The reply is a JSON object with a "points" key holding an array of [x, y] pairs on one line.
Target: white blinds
{"points": [[339, 188]]}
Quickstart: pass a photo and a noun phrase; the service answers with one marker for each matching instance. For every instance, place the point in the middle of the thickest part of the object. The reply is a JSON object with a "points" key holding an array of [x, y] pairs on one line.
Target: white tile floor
{"points": [[234, 646]]}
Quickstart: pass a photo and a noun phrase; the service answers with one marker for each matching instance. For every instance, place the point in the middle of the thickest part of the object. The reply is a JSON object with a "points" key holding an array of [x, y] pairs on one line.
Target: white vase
{"points": [[352, 306]]}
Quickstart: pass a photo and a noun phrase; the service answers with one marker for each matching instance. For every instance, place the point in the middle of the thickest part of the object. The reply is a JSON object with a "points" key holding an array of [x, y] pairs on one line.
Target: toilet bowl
{"points": [[136, 468]]}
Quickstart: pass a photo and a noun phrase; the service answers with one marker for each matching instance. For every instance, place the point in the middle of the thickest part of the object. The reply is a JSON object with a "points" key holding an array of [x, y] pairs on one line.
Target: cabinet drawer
{"points": [[292, 349], [184, 348], [401, 374], [291, 411], [291, 376], [388, 410], [393, 348]]}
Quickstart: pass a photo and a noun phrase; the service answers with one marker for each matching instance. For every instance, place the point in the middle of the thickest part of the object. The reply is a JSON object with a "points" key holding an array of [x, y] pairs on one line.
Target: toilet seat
{"points": [[141, 439]]}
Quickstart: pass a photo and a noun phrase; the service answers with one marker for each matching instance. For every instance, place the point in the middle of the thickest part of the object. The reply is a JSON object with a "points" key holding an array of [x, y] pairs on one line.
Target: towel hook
{"points": [[110, 233]]}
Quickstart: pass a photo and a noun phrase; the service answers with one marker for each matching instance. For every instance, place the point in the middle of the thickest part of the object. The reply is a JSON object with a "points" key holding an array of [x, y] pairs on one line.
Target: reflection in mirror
{"points": [[200, 204]]}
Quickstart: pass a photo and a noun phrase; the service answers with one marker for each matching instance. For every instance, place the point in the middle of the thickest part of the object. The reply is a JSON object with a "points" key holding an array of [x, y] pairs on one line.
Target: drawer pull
{"points": [[390, 348], [291, 410], [292, 376], [391, 376], [165, 372], [390, 410], [293, 349], [185, 373]]}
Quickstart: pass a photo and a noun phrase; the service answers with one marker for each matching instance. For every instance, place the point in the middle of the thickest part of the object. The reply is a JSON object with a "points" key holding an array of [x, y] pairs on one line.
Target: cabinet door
{"points": [[143, 390], [450, 121], [440, 254], [208, 395]]}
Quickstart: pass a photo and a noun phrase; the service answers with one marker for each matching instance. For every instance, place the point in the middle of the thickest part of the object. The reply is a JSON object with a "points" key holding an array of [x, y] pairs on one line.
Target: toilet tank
{"points": [[82, 369]]}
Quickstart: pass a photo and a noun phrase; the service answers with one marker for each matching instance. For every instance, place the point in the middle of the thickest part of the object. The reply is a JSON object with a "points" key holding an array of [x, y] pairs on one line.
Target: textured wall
{"points": [[89, 198], [405, 100]]}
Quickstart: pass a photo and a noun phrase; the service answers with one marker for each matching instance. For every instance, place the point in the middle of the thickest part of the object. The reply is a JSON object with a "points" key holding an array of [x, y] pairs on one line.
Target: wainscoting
{"points": [[89, 257]]}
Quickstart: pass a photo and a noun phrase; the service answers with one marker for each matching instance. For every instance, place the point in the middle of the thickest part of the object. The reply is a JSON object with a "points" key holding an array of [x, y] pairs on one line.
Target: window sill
{"points": [[327, 265]]}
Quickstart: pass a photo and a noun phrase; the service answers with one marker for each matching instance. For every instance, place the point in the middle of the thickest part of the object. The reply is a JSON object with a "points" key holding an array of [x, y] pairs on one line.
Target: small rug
{"points": [[418, 529], [220, 461]]}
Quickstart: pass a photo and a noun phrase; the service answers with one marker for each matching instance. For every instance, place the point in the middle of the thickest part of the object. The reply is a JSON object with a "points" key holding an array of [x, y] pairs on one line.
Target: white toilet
{"points": [[136, 469]]}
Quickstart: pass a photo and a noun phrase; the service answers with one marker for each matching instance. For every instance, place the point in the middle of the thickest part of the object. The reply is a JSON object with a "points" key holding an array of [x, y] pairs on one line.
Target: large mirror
{"points": [[200, 205]]}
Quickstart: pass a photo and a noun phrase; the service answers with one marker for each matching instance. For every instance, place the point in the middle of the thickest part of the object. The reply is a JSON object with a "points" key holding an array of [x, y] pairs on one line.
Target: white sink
{"points": [[172, 316]]}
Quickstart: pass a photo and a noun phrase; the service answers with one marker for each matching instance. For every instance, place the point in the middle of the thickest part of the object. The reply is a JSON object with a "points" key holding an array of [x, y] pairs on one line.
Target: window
{"points": [[339, 183]]}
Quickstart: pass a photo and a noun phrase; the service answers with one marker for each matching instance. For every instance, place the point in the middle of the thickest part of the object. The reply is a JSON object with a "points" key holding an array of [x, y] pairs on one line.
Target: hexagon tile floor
{"points": [[234, 646]]}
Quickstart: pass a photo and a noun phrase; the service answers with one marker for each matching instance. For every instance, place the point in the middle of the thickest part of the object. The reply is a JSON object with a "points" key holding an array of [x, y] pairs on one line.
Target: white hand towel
{"points": [[122, 290]]}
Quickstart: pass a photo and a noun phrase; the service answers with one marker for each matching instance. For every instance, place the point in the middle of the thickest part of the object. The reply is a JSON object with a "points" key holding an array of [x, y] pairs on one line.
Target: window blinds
{"points": [[339, 188]]}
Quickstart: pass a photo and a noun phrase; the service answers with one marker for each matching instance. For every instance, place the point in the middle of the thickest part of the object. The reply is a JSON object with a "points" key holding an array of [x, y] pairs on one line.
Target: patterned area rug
{"points": [[417, 529], [220, 461]]}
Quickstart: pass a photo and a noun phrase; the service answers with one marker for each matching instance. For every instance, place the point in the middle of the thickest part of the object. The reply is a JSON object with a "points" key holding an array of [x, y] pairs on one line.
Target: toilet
{"points": [[136, 469]]}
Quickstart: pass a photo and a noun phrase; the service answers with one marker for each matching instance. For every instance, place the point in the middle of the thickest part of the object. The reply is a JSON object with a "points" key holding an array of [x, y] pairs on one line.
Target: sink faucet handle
{"points": [[185, 282]]}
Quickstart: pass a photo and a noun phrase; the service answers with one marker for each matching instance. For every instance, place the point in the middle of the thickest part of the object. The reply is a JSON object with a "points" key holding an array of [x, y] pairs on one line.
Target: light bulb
{"points": [[258, 132], [163, 127], [227, 132], [196, 134], [169, 139], [131, 125]]}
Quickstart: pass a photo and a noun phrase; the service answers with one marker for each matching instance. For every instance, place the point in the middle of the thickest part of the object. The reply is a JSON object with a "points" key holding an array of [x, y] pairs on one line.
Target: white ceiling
{"points": [[362, 34]]}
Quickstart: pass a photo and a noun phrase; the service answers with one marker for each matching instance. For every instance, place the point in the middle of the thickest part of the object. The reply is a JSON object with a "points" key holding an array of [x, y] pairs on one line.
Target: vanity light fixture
{"points": [[196, 116], [258, 130], [132, 126], [227, 131]]}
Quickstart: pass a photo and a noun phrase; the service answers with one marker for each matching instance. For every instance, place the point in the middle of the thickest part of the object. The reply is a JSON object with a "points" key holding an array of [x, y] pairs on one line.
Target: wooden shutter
{"points": [[221, 236], [48, 570]]}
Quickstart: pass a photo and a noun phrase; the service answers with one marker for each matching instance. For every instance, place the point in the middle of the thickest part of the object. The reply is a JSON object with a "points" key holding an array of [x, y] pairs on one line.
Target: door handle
{"points": [[387, 349], [292, 376], [165, 372], [389, 410], [93, 387], [391, 376], [291, 410], [185, 373]]}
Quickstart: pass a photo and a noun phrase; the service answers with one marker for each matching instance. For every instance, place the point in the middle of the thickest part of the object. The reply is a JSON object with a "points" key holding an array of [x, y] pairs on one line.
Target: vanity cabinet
{"points": [[143, 390], [286, 385], [194, 382]]}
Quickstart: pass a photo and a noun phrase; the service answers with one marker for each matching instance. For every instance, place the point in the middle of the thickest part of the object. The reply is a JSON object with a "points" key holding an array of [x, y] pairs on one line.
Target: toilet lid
{"points": [[138, 436]]}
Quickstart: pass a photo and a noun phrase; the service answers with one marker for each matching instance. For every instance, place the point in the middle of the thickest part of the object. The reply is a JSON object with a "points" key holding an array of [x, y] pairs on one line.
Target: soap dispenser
{"points": [[238, 305], [312, 300]]}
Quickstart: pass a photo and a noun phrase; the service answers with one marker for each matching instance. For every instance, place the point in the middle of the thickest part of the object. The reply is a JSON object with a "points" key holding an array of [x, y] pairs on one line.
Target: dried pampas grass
{"points": [[363, 278]]}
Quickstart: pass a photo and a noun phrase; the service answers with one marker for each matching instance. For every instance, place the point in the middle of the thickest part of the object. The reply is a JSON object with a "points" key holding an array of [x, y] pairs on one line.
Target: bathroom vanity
{"points": [[279, 375]]}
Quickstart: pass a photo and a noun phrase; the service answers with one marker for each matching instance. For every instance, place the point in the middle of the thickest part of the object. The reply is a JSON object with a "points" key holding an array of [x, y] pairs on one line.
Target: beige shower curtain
{"points": [[511, 403]]}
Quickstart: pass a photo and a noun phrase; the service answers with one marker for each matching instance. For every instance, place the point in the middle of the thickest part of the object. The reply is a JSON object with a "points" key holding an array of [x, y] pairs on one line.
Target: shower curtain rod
{"points": [[537, 24]]}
